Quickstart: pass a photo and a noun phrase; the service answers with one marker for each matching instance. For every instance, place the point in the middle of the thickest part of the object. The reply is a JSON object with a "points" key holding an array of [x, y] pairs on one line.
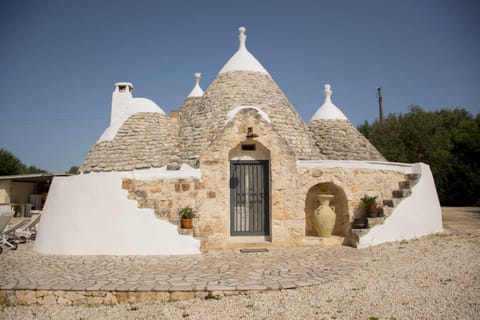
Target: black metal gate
{"points": [[249, 197]]}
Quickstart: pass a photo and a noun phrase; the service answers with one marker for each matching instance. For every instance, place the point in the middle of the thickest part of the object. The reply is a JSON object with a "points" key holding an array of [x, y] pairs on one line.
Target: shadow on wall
{"points": [[339, 201]]}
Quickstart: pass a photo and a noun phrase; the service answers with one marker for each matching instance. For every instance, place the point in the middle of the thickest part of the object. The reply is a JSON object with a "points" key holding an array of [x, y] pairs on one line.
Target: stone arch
{"points": [[341, 208]]}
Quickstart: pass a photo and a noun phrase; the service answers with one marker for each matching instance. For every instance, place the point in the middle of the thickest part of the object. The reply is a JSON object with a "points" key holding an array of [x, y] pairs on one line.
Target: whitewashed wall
{"points": [[90, 214], [417, 215]]}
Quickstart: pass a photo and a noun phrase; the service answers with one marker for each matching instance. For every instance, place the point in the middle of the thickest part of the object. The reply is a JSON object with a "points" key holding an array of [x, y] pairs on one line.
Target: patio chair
{"points": [[29, 230], [11, 229], [4, 220]]}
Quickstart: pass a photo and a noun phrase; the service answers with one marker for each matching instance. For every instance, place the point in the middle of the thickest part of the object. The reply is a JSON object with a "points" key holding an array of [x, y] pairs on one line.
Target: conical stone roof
{"points": [[152, 139], [336, 137], [243, 81], [140, 136], [246, 88]]}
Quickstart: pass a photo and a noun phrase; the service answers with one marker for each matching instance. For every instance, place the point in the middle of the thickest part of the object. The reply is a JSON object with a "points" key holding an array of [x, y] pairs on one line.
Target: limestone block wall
{"points": [[293, 189], [202, 121], [145, 140], [349, 185], [287, 223], [168, 196], [340, 140]]}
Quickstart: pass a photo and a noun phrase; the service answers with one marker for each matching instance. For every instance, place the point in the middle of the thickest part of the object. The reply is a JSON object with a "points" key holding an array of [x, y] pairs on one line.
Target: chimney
{"points": [[121, 96]]}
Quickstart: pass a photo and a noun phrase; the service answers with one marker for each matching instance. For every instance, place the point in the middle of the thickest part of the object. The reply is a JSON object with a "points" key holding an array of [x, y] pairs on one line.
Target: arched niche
{"points": [[339, 201]]}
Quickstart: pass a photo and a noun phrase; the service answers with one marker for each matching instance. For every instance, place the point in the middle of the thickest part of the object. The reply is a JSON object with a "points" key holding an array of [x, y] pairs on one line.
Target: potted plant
{"points": [[370, 205], [186, 215]]}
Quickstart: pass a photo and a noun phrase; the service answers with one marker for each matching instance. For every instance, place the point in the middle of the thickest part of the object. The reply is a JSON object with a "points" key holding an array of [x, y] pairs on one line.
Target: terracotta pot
{"points": [[371, 211], [186, 223], [324, 216]]}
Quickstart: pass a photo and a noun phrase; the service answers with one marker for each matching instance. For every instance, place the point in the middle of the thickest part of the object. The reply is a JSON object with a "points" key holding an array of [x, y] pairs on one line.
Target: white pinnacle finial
{"points": [[197, 76], [328, 111], [242, 37], [196, 91], [327, 91], [243, 60]]}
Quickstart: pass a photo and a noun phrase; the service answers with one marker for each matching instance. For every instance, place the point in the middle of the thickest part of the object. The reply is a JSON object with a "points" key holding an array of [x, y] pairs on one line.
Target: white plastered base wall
{"points": [[90, 214], [417, 215]]}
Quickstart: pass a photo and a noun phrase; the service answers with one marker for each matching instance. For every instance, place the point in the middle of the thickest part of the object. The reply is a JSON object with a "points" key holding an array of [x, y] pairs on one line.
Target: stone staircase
{"points": [[386, 209], [189, 232]]}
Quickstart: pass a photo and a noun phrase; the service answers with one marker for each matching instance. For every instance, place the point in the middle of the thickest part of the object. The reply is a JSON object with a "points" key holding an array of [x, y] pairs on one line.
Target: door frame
{"points": [[266, 198]]}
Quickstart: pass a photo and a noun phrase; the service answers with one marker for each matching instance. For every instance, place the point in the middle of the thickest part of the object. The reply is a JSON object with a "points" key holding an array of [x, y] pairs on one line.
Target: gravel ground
{"points": [[435, 277]]}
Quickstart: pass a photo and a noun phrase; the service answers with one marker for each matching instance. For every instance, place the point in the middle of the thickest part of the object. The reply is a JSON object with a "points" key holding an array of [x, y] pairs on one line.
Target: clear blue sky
{"points": [[60, 59]]}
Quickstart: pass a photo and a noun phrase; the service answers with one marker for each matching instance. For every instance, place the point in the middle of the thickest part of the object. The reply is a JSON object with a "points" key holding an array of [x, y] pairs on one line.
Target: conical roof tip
{"points": [[243, 60], [328, 111], [196, 91]]}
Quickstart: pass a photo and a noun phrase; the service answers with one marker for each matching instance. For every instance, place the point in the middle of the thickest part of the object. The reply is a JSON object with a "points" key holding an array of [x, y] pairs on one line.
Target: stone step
{"points": [[175, 221], [332, 241], [402, 193], [385, 211], [396, 201], [185, 232], [404, 184], [392, 203], [414, 177], [360, 232], [388, 203], [371, 222]]}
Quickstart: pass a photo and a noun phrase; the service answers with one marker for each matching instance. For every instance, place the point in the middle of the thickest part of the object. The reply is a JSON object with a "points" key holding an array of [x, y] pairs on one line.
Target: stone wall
{"points": [[145, 140], [96, 298], [168, 196], [203, 119], [215, 162], [349, 186], [340, 140], [293, 192]]}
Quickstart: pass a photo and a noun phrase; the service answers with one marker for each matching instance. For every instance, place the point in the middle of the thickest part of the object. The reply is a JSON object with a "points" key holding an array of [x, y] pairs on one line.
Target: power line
{"points": [[54, 119]]}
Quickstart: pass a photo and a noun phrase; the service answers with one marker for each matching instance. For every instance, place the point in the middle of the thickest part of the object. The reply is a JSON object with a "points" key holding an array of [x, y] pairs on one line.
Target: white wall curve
{"points": [[418, 215], [90, 214]]}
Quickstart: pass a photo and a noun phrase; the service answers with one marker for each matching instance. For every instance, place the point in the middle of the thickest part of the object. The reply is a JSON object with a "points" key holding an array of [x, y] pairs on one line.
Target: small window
{"points": [[122, 88], [248, 147]]}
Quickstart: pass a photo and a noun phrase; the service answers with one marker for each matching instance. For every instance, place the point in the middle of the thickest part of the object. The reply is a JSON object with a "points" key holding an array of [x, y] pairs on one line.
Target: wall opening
{"points": [[248, 147], [341, 208], [250, 184]]}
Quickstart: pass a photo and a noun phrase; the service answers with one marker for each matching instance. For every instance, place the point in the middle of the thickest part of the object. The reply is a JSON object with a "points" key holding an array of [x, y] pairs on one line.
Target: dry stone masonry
{"points": [[202, 119], [340, 140], [145, 140]]}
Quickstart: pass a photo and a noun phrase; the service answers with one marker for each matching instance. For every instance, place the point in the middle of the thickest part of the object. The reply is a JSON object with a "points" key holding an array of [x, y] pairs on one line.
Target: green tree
{"points": [[73, 170], [34, 169], [9, 164], [447, 140]]}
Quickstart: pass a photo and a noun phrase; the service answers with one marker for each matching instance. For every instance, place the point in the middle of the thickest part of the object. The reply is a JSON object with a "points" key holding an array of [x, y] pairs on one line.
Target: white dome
{"points": [[328, 111], [243, 60], [196, 91], [143, 105], [133, 106]]}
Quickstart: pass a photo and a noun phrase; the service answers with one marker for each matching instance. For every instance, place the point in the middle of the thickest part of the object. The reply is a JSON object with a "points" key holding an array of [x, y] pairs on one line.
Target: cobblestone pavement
{"points": [[220, 270]]}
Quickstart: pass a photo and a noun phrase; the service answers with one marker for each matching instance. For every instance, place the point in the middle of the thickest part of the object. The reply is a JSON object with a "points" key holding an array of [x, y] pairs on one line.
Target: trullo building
{"points": [[240, 155]]}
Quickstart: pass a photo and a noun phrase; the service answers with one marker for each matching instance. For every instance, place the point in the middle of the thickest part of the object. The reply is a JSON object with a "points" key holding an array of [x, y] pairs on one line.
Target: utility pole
{"points": [[380, 104]]}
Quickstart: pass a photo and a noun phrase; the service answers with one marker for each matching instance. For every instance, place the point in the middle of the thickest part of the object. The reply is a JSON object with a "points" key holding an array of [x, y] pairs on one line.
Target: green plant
{"points": [[369, 201], [187, 213]]}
